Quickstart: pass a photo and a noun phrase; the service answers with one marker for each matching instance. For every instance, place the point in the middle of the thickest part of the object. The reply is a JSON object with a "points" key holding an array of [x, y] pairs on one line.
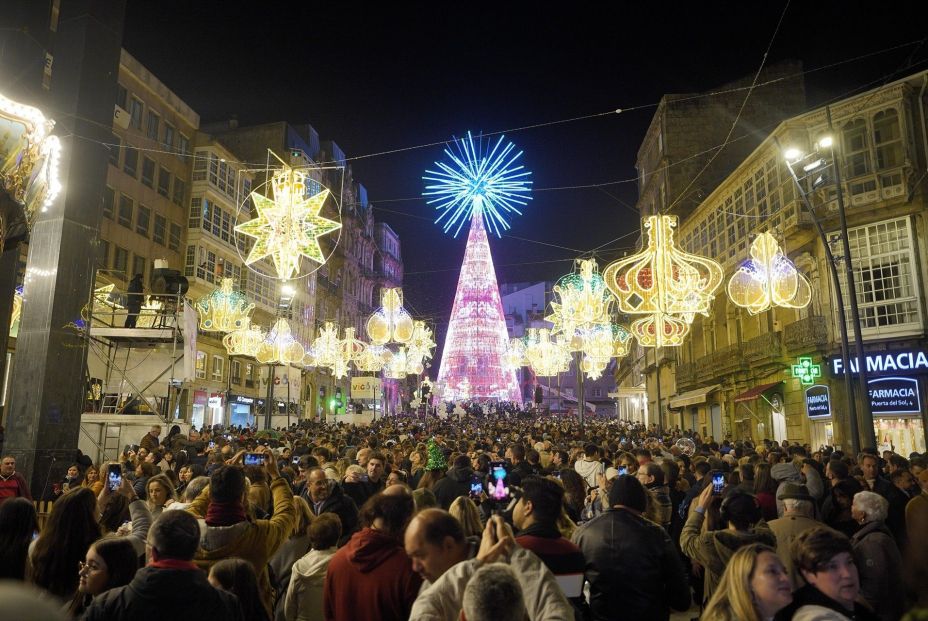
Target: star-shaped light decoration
{"points": [[288, 227], [768, 279]]}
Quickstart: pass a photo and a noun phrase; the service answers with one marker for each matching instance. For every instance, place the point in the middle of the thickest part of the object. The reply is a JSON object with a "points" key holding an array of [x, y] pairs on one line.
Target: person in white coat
{"points": [[304, 596]]}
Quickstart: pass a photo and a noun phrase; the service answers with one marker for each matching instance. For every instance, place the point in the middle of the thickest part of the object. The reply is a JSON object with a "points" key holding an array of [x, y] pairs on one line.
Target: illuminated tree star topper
{"points": [[478, 182], [288, 226]]}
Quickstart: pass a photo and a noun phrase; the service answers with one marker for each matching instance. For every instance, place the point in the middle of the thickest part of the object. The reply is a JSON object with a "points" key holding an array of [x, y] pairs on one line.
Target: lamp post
{"points": [[794, 156]]}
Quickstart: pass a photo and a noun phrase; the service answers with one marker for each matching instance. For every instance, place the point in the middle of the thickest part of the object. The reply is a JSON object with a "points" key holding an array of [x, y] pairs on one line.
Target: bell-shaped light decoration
{"points": [[390, 323], [280, 346], [768, 279]]}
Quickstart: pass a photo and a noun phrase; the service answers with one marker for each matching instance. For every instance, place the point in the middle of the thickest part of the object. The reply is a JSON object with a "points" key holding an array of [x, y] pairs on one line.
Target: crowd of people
{"points": [[490, 515]]}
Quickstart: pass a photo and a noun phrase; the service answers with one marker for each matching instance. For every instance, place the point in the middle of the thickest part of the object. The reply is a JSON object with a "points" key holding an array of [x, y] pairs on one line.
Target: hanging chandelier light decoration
{"points": [[581, 299], [371, 359], [244, 342], [390, 323], [768, 279], [546, 355], [514, 357], [280, 346], [288, 224], [665, 284], [327, 347], [224, 309]]}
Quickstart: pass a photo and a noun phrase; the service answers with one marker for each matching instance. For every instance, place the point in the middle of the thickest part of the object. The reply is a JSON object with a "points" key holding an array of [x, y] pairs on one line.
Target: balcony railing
{"points": [[727, 359], [763, 348], [686, 374], [806, 333]]}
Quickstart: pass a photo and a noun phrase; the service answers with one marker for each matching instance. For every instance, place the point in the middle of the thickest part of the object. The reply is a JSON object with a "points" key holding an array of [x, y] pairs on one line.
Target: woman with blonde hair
{"points": [[92, 480], [754, 587], [466, 512], [159, 492]]}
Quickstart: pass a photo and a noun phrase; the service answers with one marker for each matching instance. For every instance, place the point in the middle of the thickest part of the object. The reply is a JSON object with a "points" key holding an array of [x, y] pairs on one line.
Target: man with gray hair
{"points": [[798, 517], [493, 594], [877, 556], [193, 489]]}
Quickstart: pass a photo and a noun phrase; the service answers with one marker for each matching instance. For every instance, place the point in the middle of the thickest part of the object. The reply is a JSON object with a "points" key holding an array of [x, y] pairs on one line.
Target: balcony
{"points": [[806, 334], [763, 349], [685, 375], [727, 360]]}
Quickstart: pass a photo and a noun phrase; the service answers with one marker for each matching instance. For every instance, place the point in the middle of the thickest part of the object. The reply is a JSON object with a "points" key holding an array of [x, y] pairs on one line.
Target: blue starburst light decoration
{"points": [[475, 181]]}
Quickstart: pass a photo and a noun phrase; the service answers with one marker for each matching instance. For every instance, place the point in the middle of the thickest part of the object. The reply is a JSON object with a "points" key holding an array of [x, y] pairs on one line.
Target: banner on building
{"points": [[365, 387], [894, 395]]}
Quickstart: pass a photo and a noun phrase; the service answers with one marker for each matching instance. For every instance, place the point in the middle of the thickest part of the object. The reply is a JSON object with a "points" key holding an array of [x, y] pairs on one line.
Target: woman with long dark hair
{"points": [[238, 577], [110, 562], [71, 528], [18, 527]]}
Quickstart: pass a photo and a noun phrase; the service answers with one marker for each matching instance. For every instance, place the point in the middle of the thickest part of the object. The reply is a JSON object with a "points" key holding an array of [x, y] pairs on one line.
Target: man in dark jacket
{"points": [[456, 483], [326, 496], [520, 467], [171, 586], [134, 300], [361, 487], [631, 564]]}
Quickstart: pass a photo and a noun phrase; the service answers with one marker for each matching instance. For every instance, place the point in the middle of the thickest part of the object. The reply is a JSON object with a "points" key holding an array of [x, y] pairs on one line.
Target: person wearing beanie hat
{"points": [[632, 564]]}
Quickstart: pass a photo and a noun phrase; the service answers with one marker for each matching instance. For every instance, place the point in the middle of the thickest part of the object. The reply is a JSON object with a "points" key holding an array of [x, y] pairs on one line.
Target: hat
{"points": [[611, 473], [785, 472], [795, 491]]}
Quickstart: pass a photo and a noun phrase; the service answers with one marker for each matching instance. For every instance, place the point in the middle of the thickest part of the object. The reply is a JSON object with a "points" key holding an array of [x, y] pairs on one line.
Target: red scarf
{"points": [[225, 513], [173, 563]]}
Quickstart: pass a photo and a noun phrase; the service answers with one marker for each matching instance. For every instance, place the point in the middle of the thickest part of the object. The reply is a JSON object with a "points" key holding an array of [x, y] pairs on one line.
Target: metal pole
{"points": [[865, 414], [288, 395], [839, 301], [270, 396], [660, 411], [581, 396]]}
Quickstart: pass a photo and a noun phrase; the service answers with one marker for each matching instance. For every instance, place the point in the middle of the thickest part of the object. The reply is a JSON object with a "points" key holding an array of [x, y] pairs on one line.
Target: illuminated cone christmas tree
{"points": [[483, 188]]}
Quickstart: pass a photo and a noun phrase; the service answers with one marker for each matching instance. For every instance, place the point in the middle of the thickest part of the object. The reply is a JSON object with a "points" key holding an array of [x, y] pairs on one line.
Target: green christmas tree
{"points": [[437, 459]]}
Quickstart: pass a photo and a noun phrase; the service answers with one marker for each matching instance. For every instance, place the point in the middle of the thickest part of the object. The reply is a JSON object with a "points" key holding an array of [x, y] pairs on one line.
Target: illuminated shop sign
{"points": [[897, 361], [894, 395], [818, 401]]}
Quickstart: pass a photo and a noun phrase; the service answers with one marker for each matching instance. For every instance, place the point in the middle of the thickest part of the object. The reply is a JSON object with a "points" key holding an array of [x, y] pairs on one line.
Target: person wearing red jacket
{"points": [[371, 578], [12, 483]]}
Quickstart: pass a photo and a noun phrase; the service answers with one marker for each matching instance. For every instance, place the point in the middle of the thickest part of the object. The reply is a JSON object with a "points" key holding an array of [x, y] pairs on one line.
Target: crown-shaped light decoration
{"points": [[288, 226], [582, 299], [224, 309], [663, 283], [280, 346], [327, 346], [768, 279], [244, 342], [371, 359], [546, 355], [621, 341], [390, 323], [29, 157]]}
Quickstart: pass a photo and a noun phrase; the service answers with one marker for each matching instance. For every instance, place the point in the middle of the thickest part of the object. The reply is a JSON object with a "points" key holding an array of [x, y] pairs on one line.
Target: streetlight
{"points": [[794, 157]]}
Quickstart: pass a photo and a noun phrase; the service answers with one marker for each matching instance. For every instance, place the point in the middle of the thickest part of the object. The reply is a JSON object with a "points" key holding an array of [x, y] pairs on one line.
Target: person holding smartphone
{"points": [[456, 483]]}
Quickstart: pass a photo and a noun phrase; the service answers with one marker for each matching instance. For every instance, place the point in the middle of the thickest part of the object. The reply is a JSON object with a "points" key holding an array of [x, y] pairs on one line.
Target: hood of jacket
{"points": [[152, 583], [369, 548], [588, 469], [786, 472], [314, 563], [727, 542], [461, 475]]}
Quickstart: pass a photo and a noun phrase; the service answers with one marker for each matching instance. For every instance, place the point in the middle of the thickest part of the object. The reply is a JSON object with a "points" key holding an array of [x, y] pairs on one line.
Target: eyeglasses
{"points": [[81, 566]]}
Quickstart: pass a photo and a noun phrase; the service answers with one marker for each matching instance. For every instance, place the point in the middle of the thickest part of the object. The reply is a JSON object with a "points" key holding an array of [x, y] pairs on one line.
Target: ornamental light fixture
{"points": [[390, 323], [289, 225], [224, 309], [664, 284], [582, 299], [244, 342], [768, 279], [280, 346]]}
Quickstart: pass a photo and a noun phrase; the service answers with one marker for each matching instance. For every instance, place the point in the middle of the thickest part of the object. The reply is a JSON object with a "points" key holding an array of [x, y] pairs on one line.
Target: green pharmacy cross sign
{"points": [[806, 371]]}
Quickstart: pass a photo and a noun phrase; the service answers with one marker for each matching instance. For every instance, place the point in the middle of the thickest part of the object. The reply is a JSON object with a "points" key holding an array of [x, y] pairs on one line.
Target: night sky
{"points": [[401, 74]]}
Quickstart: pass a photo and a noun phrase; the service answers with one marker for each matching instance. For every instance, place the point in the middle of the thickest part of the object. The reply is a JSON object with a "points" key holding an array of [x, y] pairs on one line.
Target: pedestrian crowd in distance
{"points": [[497, 514]]}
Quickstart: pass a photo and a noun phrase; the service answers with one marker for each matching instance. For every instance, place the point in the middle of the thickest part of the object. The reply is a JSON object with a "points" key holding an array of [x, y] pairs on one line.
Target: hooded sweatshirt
{"points": [[369, 579], [588, 470], [304, 595]]}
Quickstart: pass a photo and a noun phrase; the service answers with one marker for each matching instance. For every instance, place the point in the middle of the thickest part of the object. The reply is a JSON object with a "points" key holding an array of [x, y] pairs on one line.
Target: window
{"points": [[195, 213], [159, 233], [109, 201], [164, 182], [856, 154], [180, 188], [183, 145], [190, 261], [201, 365], [114, 148], [887, 137], [120, 259], [236, 372], [121, 96], [154, 124], [206, 265], [138, 266], [168, 136], [135, 113], [148, 171], [174, 239], [249, 375], [130, 163], [126, 207], [885, 272], [143, 220], [103, 253], [219, 364]]}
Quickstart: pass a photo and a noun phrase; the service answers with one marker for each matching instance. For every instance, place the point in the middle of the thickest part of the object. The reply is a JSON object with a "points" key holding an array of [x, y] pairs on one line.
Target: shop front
{"points": [[241, 410], [692, 408], [895, 382], [818, 409], [760, 413], [207, 409]]}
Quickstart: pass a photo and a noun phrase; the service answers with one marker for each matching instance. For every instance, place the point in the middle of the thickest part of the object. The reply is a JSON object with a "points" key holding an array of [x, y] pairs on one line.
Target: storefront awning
{"points": [[691, 397], [754, 393]]}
